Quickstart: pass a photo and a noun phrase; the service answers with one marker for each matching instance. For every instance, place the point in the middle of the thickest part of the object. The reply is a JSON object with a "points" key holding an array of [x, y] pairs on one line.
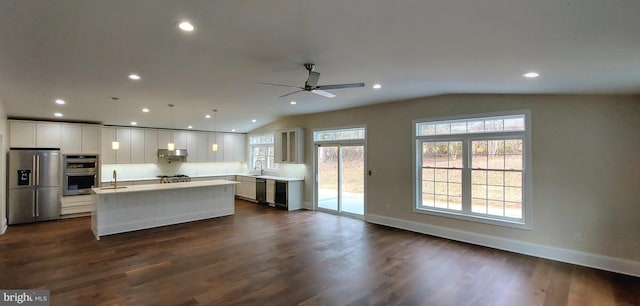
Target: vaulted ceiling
{"points": [[83, 52]]}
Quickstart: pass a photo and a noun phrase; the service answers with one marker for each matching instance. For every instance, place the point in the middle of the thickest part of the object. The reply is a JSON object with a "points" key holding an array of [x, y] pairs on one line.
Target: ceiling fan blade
{"points": [[297, 91], [323, 93], [339, 86], [312, 81], [278, 84]]}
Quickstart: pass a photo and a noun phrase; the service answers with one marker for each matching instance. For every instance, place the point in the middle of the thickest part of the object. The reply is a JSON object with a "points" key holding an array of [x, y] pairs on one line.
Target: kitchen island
{"points": [[134, 208]]}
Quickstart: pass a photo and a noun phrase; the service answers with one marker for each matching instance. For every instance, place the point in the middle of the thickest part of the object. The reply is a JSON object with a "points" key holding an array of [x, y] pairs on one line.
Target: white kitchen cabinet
{"points": [[123, 155], [150, 146], [108, 155], [203, 147], [137, 146], [180, 139], [192, 146], [234, 147], [47, 135], [75, 206], [22, 134], [271, 191], [164, 137], [70, 138], [79, 138], [91, 138], [289, 146], [246, 187], [216, 138]]}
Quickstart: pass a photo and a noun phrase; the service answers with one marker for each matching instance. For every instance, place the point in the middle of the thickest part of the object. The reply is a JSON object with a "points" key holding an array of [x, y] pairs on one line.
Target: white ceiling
{"points": [[83, 51]]}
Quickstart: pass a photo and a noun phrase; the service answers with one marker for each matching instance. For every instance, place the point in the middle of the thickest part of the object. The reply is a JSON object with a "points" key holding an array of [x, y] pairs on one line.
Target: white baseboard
{"points": [[307, 205], [613, 264], [4, 226]]}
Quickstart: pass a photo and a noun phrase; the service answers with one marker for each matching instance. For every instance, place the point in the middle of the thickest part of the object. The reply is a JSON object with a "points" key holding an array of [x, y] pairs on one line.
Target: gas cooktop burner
{"points": [[177, 178]]}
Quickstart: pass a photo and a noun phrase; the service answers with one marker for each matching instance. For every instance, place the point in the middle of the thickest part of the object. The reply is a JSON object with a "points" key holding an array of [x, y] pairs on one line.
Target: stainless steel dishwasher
{"points": [[261, 190]]}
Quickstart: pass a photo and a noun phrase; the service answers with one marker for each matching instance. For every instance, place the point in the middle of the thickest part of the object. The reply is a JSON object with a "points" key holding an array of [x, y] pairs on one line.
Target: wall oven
{"points": [[80, 174]]}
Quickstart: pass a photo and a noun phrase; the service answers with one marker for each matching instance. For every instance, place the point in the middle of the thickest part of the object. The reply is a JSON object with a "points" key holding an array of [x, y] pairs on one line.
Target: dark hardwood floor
{"points": [[266, 256]]}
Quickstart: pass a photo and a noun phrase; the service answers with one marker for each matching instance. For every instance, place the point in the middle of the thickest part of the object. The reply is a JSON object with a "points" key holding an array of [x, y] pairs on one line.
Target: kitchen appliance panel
{"points": [[281, 198], [21, 168], [261, 190], [79, 183], [47, 203], [48, 165], [20, 206]]}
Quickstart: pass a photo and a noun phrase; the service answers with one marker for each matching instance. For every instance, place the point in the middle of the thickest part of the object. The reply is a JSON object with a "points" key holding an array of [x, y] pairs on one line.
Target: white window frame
{"points": [[526, 222], [261, 145]]}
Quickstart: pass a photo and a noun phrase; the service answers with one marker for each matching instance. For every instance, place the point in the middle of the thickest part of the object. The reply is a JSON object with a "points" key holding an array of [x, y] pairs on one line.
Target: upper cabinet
{"points": [[150, 146], [234, 147], [90, 138], [71, 138], [289, 146], [138, 145]]}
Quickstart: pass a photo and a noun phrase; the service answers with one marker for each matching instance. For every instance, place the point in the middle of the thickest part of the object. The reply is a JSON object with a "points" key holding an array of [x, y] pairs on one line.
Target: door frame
{"points": [[339, 144]]}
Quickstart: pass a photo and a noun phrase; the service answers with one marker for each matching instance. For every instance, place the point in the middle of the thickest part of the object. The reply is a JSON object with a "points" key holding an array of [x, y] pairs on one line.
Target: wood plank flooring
{"points": [[262, 256]]}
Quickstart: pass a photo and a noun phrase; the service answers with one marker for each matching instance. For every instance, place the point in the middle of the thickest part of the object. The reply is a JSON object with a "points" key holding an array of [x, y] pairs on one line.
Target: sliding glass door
{"points": [[340, 184]]}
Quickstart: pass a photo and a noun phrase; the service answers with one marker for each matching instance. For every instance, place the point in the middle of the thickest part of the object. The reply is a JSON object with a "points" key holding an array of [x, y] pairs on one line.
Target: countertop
{"points": [[269, 177], [156, 187]]}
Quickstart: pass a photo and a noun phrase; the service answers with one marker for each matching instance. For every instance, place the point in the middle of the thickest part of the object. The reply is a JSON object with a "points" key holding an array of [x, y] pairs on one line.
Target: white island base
{"points": [[146, 206]]}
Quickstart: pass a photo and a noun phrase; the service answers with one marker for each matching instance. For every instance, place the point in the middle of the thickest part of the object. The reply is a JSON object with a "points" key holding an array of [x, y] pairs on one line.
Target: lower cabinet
{"points": [[76, 206], [246, 188], [271, 192], [288, 194]]}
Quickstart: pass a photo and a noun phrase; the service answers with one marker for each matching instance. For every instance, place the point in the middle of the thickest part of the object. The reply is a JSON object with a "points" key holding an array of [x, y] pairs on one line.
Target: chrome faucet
{"points": [[115, 179], [255, 167]]}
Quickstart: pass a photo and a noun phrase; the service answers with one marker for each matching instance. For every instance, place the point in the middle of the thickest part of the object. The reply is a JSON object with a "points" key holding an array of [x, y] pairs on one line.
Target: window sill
{"points": [[475, 218]]}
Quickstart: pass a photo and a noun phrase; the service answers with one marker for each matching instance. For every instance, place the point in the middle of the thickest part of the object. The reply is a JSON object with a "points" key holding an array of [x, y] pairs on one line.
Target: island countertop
{"points": [[154, 187]]}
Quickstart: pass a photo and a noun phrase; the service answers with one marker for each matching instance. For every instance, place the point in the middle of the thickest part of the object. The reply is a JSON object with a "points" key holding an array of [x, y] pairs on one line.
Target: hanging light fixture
{"points": [[214, 146], [171, 146], [115, 145]]}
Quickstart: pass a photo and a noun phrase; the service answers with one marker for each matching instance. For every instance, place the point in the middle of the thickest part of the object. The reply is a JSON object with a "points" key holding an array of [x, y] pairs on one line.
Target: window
{"points": [[474, 168], [341, 134], [262, 152]]}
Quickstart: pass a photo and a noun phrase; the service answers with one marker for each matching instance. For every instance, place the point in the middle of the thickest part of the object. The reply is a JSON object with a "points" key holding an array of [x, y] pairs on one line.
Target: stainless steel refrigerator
{"points": [[33, 189]]}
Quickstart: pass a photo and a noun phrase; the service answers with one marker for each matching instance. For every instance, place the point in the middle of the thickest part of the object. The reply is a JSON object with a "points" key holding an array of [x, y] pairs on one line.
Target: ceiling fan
{"points": [[311, 85]]}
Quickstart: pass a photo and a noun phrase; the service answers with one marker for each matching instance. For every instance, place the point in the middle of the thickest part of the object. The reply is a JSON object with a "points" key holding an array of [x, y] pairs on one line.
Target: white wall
{"points": [[4, 148], [586, 168]]}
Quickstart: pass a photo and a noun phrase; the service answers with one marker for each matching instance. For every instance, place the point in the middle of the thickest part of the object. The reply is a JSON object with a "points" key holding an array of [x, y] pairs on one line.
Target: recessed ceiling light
{"points": [[531, 75], [134, 77], [233, 130], [145, 110], [377, 86], [207, 116], [190, 127], [60, 101], [186, 26], [58, 114], [293, 102], [134, 123], [254, 120]]}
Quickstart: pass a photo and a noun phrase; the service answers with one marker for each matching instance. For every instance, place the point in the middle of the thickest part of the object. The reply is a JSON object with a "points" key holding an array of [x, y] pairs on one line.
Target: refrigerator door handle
{"points": [[37, 210], [37, 170], [33, 168]]}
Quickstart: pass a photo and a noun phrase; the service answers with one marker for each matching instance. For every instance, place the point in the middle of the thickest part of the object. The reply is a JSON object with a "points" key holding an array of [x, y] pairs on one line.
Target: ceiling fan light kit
{"points": [[311, 85]]}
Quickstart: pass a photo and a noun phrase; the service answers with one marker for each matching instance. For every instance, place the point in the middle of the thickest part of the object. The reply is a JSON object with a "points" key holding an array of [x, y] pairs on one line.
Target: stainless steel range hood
{"points": [[174, 153]]}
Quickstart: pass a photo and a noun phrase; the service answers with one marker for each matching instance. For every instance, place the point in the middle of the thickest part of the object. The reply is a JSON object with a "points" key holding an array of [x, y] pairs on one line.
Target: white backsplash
{"points": [[151, 171]]}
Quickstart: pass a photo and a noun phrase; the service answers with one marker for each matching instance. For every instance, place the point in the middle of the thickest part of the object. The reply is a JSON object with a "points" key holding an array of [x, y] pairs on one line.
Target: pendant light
{"points": [[214, 146], [171, 146], [115, 145]]}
